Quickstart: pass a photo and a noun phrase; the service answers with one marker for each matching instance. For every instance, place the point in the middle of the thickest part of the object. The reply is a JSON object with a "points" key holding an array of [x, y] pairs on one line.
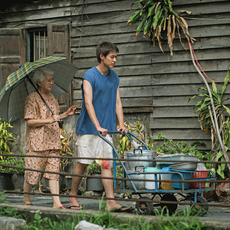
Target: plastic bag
{"points": [[104, 150], [84, 225], [201, 166]]}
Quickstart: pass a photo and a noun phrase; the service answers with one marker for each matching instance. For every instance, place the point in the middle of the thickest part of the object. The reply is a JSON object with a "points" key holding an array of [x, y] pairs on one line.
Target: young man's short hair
{"points": [[104, 48]]}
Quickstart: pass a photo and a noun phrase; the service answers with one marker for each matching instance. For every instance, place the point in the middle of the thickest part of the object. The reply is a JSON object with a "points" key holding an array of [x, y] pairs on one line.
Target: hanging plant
{"points": [[158, 16]]}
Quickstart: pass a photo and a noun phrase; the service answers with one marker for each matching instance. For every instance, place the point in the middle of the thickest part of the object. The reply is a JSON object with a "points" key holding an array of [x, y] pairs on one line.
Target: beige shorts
{"points": [[93, 146]]}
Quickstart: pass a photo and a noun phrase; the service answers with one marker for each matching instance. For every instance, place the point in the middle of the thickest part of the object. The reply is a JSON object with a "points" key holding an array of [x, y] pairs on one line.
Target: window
{"points": [[37, 44]]}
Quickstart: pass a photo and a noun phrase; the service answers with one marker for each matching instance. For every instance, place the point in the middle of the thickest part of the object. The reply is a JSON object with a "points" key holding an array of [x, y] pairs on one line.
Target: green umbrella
{"points": [[18, 86]]}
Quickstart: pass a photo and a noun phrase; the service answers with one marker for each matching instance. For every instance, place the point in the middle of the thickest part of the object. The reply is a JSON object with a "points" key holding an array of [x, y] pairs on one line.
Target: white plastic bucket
{"points": [[149, 185]]}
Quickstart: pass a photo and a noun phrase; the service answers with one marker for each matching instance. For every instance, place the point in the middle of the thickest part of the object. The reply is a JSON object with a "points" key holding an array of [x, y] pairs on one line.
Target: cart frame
{"points": [[166, 195]]}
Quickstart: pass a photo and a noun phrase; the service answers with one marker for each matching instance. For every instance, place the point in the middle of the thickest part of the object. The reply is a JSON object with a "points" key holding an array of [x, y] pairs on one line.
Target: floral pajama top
{"points": [[46, 137]]}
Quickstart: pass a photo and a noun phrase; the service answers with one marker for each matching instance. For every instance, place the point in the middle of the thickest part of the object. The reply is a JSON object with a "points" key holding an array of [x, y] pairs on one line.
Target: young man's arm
{"points": [[119, 111], [88, 94]]}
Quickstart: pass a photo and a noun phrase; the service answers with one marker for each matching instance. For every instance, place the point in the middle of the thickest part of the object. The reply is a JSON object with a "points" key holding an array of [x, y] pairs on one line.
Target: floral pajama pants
{"points": [[37, 163]]}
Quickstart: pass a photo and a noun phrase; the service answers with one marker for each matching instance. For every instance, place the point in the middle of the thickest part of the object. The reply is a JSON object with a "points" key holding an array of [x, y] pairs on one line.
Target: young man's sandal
{"points": [[122, 209], [75, 207]]}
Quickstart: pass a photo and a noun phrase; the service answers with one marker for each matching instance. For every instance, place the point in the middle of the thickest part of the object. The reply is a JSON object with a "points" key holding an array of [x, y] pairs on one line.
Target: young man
{"points": [[101, 104]]}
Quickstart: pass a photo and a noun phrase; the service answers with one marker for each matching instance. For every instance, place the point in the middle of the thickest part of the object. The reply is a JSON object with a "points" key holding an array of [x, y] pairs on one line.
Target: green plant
{"points": [[11, 160], [12, 212], [179, 220], [169, 146], [93, 169], [2, 197], [5, 137], [65, 148], [205, 118], [122, 143], [137, 128], [157, 16], [182, 222], [119, 171], [226, 128], [222, 171], [204, 155], [203, 107]]}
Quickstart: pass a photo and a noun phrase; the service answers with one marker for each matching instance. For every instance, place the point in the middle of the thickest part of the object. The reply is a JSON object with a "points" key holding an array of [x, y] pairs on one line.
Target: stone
{"points": [[10, 223]]}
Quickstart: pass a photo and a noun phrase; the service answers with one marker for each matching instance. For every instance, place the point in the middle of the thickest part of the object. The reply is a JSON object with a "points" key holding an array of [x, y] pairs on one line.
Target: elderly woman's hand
{"points": [[71, 110]]}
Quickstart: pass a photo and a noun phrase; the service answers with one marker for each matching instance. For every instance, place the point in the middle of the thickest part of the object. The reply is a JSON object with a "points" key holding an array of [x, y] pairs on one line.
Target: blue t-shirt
{"points": [[104, 101]]}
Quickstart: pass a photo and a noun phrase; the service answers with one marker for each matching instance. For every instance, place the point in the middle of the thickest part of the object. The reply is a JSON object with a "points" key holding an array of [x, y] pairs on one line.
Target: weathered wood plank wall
{"points": [[179, 80], [152, 83], [149, 76]]}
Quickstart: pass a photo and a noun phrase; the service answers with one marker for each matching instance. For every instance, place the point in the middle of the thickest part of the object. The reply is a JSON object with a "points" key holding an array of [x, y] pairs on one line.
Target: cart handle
{"points": [[116, 154], [126, 134], [136, 138]]}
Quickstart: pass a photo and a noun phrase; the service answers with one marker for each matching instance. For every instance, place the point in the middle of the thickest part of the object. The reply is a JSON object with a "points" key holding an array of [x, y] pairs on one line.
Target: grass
{"points": [[180, 220], [105, 219]]}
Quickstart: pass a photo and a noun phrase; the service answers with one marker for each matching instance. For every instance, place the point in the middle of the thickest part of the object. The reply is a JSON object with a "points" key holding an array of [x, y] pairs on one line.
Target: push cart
{"points": [[193, 196]]}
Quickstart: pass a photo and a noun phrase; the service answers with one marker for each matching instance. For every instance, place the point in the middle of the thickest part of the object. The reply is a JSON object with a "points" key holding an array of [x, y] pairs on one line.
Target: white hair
{"points": [[40, 74]]}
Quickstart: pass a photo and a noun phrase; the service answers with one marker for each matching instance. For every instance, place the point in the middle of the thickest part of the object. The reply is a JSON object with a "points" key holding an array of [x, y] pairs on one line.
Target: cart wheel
{"points": [[144, 208], [171, 207], [200, 210]]}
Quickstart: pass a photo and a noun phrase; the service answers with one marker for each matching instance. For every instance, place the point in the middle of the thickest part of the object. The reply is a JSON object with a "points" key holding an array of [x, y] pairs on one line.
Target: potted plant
{"points": [[7, 171], [94, 184], [5, 138]]}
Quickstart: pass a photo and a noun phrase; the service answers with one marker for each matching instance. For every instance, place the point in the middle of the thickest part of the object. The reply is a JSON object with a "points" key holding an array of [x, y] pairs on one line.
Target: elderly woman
{"points": [[43, 135]]}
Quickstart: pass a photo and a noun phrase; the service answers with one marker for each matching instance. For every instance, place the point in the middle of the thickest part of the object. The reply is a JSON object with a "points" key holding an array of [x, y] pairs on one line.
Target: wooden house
{"points": [[155, 86]]}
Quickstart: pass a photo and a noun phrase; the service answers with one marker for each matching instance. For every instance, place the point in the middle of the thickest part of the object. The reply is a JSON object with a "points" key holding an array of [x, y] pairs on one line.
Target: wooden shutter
{"points": [[12, 52], [59, 45]]}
